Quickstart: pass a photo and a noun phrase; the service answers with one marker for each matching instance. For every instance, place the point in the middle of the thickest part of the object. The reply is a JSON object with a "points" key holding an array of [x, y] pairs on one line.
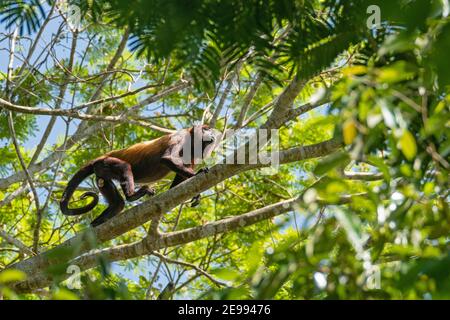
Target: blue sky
{"points": [[62, 52], [59, 128]]}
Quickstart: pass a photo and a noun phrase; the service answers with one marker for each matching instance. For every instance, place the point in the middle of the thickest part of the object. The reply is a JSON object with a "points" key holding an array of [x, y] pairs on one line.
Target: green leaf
{"points": [[226, 274], [353, 228], [254, 256], [331, 162], [12, 275], [349, 131], [397, 44], [408, 145], [64, 294], [396, 72]]}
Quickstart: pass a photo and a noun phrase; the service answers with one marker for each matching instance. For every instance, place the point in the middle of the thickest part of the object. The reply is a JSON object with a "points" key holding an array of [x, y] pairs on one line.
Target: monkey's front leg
{"points": [[178, 179], [176, 164], [195, 201]]}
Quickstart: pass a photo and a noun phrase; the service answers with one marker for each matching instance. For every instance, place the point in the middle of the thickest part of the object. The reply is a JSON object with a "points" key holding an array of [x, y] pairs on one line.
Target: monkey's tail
{"points": [[82, 174]]}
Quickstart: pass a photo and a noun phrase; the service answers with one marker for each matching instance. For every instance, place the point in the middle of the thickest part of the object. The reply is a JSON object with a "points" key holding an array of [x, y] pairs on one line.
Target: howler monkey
{"points": [[144, 162]]}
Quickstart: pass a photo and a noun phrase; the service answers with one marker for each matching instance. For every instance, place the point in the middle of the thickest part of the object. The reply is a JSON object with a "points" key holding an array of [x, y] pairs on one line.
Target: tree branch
{"points": [[192, 266], [15, 242], [78, 115], [365, 176], [149, 245], [80, 135], [158, 205]]}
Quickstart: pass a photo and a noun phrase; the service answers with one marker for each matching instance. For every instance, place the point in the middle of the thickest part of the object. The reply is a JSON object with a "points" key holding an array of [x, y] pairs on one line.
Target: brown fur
{"points": [[143, 162], [140, 151], [144, 159]]}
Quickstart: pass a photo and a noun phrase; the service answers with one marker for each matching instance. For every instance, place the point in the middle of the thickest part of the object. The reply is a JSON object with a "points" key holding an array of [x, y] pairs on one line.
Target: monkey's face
{"points": [[206, 138], [208, 135]]}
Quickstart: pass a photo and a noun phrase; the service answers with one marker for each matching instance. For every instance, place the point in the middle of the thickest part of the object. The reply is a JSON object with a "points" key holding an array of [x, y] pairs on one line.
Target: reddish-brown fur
{"points": [[144, 159], [143, 162]]}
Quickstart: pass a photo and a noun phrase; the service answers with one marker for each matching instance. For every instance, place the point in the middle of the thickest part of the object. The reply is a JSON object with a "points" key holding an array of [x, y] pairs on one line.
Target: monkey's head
{"points": [[207, 136], [203, 133]]}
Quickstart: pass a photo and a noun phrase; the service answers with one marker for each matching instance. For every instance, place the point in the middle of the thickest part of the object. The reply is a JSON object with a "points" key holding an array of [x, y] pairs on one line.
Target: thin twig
{"points": [[190, 265]]}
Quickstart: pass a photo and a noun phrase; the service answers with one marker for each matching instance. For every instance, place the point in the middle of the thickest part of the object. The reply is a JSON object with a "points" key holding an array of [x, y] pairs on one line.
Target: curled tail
{"points": [[82, 174]]}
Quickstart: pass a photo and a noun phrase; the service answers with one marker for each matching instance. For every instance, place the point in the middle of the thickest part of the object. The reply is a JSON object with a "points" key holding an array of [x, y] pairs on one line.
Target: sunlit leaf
{"points": [[408, 145], [349, 131], [396, 72], [331, 162], [64, 294], [12, 275]]}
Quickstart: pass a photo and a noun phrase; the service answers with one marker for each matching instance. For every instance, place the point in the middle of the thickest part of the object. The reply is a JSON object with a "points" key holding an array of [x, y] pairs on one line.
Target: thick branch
{"points": [[162, 203], [150, 244], [15, 242], [364, 176], [284, 104]]}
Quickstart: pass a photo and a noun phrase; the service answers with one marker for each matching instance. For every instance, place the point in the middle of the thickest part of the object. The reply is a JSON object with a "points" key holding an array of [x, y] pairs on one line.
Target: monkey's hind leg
{"points": [[114, 199], [120, 170], [144, 190], [127, 183]]}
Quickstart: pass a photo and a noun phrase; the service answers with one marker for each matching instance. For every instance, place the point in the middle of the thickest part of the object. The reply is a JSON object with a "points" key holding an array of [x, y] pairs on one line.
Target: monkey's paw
{"points": [[203, 170], [150, 191], [195, 201]]}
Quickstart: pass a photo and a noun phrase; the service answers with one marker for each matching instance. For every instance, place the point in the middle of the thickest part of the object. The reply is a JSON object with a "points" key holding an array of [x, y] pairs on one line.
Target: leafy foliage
{"points": [[389, 102], [27, 14], [207, 36]]}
